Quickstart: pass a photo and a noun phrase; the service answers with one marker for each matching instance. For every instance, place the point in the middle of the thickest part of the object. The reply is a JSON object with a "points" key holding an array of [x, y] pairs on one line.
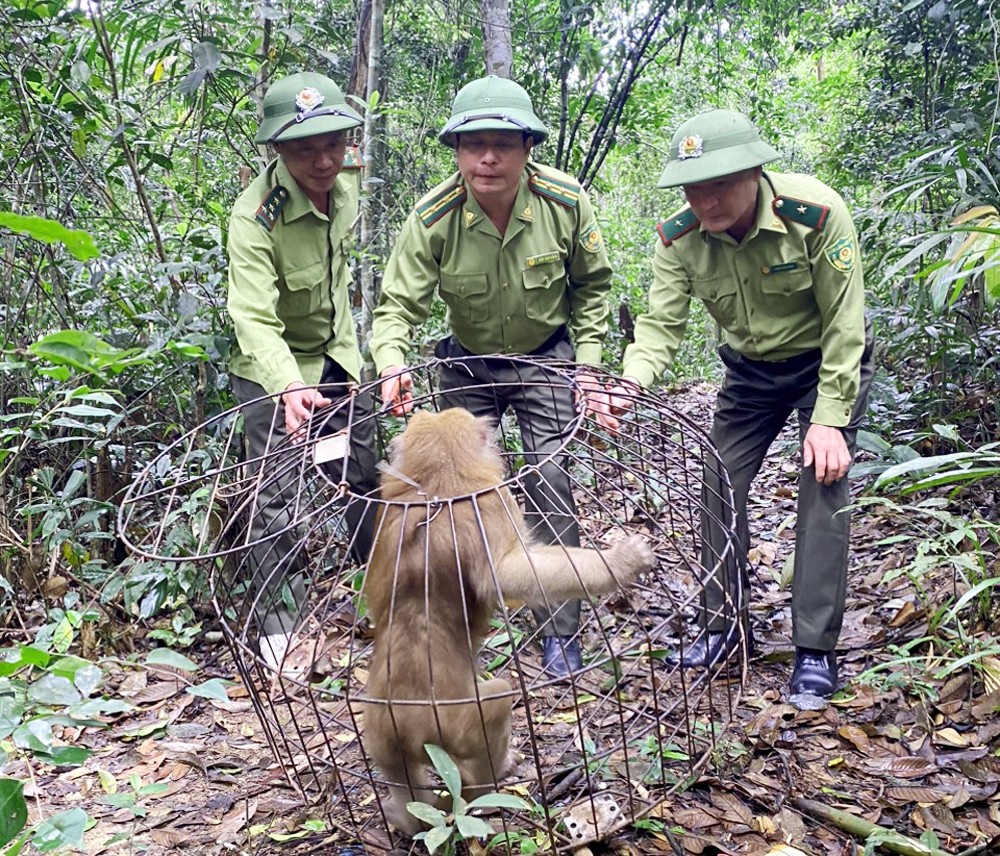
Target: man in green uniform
{"points": [[774, 258], [289, 278], [515, 252]]}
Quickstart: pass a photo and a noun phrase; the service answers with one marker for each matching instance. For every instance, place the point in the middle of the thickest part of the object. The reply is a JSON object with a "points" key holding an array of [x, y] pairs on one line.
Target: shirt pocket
{"points": [[788, 291], [303, 291], [467, 296], [718, 293], [544, 291]]}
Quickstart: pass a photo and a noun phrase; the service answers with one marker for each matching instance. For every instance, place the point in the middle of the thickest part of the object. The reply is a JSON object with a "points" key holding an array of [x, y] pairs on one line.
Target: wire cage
{"points": [[282, 534]]}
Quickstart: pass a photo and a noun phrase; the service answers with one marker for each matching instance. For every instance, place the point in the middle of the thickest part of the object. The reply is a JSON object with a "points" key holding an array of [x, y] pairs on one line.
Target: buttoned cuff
{"points": [[835, 412], [588, 354]]}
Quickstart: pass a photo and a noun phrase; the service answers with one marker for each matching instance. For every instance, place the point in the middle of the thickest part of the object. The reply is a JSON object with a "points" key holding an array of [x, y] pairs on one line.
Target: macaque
{"points": [[452, 542]]}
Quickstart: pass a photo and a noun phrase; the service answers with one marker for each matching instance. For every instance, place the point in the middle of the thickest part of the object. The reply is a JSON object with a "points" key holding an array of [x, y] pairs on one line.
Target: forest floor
{"points": [[907, 751]]}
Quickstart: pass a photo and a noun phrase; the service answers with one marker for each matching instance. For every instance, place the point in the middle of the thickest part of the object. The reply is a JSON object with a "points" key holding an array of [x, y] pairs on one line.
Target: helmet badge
{"points": [[690, 147], [308, 99]]}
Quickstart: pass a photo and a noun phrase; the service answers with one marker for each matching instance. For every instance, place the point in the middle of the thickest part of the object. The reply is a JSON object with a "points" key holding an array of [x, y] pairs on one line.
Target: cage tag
{"points": [[332, 448]]}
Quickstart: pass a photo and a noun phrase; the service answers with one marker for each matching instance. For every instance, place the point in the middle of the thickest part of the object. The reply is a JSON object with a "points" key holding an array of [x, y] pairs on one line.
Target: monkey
{"points": [[450, 543]]}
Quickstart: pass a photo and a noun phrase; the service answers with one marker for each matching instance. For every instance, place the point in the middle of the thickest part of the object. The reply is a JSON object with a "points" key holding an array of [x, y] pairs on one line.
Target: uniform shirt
{"points": [[793, 284], [289, 283], [504, 294]]}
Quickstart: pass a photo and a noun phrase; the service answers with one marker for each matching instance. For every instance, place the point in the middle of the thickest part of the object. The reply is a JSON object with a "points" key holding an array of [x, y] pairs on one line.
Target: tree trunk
{"points": [[372, 198], [496, 37]]}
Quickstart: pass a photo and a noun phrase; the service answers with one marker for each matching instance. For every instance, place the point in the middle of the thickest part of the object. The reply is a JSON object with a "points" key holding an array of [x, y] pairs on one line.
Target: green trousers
{"points": [[275, 570], [545, 409], [754, 403]]}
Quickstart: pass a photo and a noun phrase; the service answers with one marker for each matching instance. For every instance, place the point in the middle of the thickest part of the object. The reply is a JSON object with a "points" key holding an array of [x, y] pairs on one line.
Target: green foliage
{"points": [[42, 691], [447, 831], [77, 241]]}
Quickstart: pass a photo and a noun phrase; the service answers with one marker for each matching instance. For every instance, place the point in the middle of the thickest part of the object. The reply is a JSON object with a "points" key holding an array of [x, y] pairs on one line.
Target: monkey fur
{"points": [[450, 544]]}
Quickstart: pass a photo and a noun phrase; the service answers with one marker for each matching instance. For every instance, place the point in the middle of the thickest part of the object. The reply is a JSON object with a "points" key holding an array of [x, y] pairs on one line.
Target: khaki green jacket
{"points": [[795, 283], [289, 281], [504, 295]]}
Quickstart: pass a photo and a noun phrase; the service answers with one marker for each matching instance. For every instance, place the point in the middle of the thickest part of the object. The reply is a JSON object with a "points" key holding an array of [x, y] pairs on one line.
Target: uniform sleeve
{"points": [[590, 282], [411, 275], [252, 302], [838, 285], [659, 332]]}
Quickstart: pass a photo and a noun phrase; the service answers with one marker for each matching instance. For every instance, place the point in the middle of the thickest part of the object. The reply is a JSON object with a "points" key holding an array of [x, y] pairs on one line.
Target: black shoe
{"points": [[815, 672], [561, 656], [712, 648]]}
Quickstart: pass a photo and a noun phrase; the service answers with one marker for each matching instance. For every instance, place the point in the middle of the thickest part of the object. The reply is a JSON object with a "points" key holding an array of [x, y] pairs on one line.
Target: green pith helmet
{"points": [[303, 105], [713, 144], [492, 104]]}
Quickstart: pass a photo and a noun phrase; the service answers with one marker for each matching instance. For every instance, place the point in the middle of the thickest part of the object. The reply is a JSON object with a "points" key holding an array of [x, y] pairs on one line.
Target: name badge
{"points": [[543, 259], [767, 270]]}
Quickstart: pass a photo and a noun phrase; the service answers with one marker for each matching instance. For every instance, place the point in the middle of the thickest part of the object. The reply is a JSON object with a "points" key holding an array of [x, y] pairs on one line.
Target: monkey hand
{"points": [[630, 557], [299, 402], [397, 390]]}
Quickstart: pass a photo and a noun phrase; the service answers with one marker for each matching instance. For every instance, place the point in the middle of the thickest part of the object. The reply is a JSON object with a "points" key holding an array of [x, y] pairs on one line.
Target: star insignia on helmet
{"points": [[692, 146], [308, 99]]}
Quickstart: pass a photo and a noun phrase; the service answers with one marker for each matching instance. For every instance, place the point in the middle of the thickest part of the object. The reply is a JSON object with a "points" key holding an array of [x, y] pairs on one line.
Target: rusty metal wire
{"points": [[598, 751]]}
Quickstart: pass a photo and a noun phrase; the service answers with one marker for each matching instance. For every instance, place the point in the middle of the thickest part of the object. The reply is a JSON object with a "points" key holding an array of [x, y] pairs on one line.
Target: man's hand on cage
{"points": [[397, 390]]}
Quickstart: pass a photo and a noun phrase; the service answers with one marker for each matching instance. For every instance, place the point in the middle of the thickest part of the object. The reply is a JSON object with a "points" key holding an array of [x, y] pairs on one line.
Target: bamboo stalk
{"points": [[860, 828]]}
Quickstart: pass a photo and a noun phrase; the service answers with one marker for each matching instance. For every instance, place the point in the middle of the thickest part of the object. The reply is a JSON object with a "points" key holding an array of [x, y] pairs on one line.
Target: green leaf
{"points": [[214, 688], [502, 801], [54, 690], [13, 810], [78, 242], [11, 712], [168, 657], [436, 837], [87, 679], [61, 830], [473, 827], [66, 756], [427, 813], [446, 768], [34, 735]]}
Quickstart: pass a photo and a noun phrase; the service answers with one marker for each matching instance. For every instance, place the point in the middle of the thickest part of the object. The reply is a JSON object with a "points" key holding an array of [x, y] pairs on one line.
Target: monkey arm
{"points": [[544, 575]]}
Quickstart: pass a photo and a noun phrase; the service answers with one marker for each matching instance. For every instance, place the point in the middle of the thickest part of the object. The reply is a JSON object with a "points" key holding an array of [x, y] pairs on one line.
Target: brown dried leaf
{"points": [[856, 736], [160, 691], [906, 613], [733, 809], [170, 838], [914, 794], [908, 767], [950, 737]]}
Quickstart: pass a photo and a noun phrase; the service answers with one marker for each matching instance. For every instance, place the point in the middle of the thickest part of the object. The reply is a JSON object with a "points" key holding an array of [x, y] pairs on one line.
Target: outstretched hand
{"points": [[825, 448], [300, 401]]}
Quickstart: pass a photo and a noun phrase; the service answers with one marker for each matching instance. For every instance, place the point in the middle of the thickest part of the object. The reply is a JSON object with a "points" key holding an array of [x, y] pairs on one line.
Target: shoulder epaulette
{"points": [[353, 159], [799, 211], [433, 208], [675, 227], [270, 208], [559, 190]]}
